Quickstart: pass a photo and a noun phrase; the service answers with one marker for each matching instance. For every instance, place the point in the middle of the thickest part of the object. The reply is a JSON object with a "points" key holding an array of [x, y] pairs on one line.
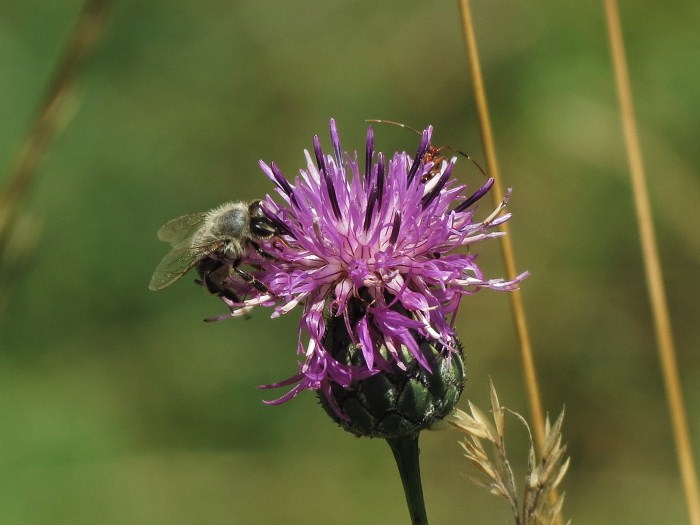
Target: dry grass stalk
{"points": [[540, 504], [50, 115], [18, 256], [19, 234], [506, 245], [652, 267]]}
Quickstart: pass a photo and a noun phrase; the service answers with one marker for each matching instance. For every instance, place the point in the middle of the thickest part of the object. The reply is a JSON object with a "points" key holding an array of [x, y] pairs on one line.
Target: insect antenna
{"points": [[433, 153]]}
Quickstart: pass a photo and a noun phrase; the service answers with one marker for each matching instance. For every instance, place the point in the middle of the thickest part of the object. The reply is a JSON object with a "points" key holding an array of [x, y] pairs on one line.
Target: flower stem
{"points": [[406, 453]]}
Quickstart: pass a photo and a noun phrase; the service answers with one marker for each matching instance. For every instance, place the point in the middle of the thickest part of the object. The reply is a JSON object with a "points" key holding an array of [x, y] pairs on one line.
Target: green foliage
{"points": [[120, 406]]}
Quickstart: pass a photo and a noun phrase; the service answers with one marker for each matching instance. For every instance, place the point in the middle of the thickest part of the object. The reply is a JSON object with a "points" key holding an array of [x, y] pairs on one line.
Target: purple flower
{"points": [[373, 244]]}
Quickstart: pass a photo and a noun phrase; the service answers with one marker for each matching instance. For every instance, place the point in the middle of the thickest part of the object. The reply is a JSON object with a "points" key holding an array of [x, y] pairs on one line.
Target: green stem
{"points": [[406, 453]]}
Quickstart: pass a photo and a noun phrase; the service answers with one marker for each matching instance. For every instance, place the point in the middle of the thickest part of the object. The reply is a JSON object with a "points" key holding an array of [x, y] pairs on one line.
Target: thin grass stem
{"points": [[652, 267], [24, 166], [516, 301]]}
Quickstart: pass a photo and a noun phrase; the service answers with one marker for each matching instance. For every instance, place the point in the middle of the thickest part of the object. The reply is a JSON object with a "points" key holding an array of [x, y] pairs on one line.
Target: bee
{"points": [[432, 153], [214, 243]]}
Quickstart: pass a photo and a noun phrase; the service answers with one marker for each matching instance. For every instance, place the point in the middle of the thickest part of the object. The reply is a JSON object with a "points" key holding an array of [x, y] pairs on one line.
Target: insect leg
{"points": [[260, 287], [260, 251], [213, 273]]}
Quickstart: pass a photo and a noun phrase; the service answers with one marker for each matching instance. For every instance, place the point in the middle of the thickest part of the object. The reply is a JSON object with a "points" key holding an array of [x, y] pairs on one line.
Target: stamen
{"points": [[371, 200], [432, 194], [320, 160], [422, 148], [489, 220], [380, 178], [335, 139], [280, 226], [281, 180], [332, 196], [369, 151], [475, 196], [395, 228]]}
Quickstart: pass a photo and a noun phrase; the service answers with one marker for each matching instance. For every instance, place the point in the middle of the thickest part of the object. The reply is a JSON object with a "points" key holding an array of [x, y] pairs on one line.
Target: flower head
{"points": [[371, 245]]}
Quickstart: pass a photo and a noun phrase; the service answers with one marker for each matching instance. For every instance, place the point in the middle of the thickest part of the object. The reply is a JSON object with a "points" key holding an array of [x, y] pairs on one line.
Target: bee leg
{"points": [[210, 272], [260, 251], [217, 289], [260, 287]]}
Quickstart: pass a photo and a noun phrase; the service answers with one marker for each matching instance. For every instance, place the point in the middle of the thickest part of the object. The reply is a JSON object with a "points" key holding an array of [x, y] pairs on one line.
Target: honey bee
{"points": [[214, 243]]}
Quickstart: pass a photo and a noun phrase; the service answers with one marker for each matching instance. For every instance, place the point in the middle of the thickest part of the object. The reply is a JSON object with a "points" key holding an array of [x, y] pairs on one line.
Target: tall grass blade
{"points": [[652, 267], [50, 114], [506, 244]]}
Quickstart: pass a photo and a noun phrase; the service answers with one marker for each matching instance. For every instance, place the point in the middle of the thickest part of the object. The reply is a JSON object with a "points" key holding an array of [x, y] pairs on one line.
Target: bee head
{"points": [[261, 227]]}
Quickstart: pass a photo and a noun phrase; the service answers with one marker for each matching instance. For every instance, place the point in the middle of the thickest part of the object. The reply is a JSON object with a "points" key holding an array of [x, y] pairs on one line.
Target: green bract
{"points": [[394, 404]]}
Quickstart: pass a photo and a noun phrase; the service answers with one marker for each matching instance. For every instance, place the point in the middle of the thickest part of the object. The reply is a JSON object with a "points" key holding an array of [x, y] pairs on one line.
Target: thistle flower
{"points": [[367, 250]]}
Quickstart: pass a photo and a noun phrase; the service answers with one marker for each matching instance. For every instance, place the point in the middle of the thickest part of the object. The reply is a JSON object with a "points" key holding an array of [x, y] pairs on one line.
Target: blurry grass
{"points": [[50, 115], [118, 402], [653, 272], [516, 302]]}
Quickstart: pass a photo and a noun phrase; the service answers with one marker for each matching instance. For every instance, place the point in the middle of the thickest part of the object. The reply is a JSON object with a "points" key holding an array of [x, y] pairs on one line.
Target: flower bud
{"points": [[397, 403]]}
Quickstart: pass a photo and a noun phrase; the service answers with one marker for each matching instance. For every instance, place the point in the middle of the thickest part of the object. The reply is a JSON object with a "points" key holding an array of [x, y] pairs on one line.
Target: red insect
{"points": [[433, 153]]}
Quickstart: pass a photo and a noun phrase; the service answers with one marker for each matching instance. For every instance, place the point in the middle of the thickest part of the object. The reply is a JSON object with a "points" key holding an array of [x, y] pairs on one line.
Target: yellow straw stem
{"points": [[652, 268], [516, 300], [23, 168]]}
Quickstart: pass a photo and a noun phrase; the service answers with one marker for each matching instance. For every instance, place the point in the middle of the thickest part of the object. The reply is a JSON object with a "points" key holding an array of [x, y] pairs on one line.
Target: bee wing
{"points": [[182, 228], [177, 263]]}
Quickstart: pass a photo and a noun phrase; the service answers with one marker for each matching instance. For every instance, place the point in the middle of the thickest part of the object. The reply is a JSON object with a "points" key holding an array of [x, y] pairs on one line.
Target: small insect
{"points": [[214, 243], [432, 153]]}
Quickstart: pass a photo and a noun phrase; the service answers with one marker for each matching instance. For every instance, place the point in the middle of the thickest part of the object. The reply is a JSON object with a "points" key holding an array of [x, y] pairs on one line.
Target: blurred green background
{"points": [[119, 405]]}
